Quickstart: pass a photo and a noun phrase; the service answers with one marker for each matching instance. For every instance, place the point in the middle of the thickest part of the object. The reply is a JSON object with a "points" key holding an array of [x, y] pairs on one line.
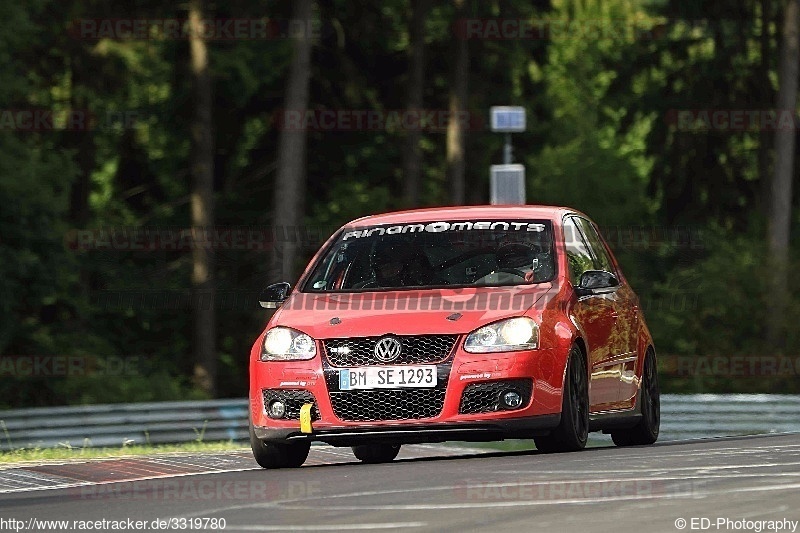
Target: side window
{"points": [[578, 254], [596, 245]]}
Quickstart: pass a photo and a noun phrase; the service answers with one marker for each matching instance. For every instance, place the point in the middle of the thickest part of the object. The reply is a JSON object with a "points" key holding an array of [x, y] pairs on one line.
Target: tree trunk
{"points": [[764, 154], [412, 156], [290, 184], [202, 172], [456, 128], [781, 194]]}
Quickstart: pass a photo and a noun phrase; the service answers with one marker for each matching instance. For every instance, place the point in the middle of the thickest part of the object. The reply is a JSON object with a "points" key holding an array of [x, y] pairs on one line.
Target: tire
{"points": [[572, 432], [272, 455], [376, 453], [646, 431]]}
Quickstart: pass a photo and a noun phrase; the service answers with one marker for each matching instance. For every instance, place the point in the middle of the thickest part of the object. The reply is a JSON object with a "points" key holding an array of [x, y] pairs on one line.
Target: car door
{"points": [[622, 341], [597, 315]]}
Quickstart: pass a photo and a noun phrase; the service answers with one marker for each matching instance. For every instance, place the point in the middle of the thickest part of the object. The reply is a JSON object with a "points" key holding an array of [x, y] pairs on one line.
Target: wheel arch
{"points": [[581, 344], [648, 348]]}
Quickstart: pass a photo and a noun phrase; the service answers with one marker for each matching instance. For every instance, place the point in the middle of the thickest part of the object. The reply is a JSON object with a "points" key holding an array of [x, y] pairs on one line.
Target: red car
{"points": [[464, 323]]}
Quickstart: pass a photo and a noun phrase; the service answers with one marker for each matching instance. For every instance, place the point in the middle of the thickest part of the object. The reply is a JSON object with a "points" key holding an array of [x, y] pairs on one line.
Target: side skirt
{"points": [[606, 421]]}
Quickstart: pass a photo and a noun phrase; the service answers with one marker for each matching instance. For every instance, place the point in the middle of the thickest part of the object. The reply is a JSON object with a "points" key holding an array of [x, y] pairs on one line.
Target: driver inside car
{"points": [[515, 258], [400, 264]]}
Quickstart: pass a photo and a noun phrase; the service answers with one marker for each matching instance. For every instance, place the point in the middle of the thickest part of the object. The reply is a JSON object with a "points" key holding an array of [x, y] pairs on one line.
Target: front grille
{"points": [[294, 399], [417, 349], [485, 397], [387, 404]]}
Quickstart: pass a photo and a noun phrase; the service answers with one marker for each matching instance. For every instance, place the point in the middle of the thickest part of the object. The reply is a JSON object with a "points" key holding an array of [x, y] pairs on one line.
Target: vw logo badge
{"points": [[388, 349]]}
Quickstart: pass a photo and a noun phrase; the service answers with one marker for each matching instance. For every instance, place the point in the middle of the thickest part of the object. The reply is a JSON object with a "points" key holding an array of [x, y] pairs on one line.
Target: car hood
{"points": [[409, 312]]}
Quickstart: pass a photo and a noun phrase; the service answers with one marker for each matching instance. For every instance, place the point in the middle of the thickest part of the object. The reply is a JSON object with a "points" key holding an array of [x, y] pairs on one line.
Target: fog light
{"points": [[512, 399], [277, 409]]}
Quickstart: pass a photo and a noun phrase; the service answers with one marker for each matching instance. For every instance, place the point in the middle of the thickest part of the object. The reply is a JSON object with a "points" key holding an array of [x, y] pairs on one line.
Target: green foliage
{"points": [[35, 176], [717, 306]]}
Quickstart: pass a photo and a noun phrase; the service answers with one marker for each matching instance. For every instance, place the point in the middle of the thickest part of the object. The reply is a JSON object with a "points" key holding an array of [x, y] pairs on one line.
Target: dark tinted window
{"points": [[578, 254], [437, 254], [596, 245]]}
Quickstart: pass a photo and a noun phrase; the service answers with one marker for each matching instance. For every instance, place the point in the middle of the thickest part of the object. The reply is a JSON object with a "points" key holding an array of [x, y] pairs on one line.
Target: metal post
{"points": [[507, 154]]}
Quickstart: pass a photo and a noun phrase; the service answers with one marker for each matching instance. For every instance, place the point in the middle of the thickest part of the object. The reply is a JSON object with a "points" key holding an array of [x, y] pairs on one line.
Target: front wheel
{"points": [[376, 453], [273, 455], [646, 431], [573, 430]]}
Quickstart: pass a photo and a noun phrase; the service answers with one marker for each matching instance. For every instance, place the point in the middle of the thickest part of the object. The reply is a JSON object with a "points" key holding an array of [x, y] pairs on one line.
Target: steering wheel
{"points": [[512, 271], [366, 284]]}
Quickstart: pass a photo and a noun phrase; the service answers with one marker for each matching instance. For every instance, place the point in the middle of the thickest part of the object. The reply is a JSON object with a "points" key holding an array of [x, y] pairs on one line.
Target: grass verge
{"points": [[67, 452]]}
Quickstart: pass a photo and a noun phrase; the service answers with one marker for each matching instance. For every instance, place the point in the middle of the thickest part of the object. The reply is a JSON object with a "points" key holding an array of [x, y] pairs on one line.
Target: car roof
{"points": [[470, 212]]}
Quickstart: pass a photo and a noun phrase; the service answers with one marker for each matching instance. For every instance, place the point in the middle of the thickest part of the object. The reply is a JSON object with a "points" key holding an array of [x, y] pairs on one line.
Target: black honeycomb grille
{"points": [[388, 404], [294, 399], [417, 349], [485, 397]]}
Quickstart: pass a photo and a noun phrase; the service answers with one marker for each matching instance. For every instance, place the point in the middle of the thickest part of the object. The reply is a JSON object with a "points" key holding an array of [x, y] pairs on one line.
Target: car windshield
{"points": [[436, 255]]}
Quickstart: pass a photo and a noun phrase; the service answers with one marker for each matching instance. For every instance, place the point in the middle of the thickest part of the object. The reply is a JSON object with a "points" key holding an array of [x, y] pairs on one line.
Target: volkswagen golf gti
{"points": [[475, 323]]}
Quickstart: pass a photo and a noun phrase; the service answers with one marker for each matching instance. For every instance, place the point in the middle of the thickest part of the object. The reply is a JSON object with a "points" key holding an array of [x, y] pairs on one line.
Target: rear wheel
{"points": [[646, 431], [573, 430], [272, 455], [376, 453]]}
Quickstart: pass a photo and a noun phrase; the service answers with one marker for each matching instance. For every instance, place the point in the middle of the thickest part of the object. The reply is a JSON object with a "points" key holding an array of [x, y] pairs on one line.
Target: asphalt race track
{"points": [[647, 489]]}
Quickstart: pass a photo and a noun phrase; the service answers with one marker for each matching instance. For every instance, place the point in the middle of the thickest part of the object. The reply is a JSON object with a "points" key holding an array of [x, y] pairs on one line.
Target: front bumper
{"points": [[542, 368], [416, 433]]}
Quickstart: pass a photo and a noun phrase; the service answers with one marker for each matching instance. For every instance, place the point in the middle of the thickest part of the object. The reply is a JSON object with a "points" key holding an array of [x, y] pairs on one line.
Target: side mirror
{"points": [[596, 282], [273, 296]]}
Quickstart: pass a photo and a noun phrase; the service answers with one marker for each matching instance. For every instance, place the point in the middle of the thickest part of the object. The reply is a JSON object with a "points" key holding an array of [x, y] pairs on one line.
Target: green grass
{"points": [[67, 452]]}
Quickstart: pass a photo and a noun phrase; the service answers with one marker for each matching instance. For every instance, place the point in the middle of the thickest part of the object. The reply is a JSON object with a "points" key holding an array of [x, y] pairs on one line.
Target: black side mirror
{"points": [[596, 282], [273, 296]]}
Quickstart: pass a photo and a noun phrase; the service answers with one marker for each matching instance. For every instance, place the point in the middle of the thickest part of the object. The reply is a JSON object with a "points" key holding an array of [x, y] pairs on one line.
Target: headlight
{"points": [[510, 335], [284, 344]]}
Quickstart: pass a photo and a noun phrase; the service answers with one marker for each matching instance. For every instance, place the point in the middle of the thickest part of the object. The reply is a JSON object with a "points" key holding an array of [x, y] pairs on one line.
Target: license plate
{"points": [[387, 377]]}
